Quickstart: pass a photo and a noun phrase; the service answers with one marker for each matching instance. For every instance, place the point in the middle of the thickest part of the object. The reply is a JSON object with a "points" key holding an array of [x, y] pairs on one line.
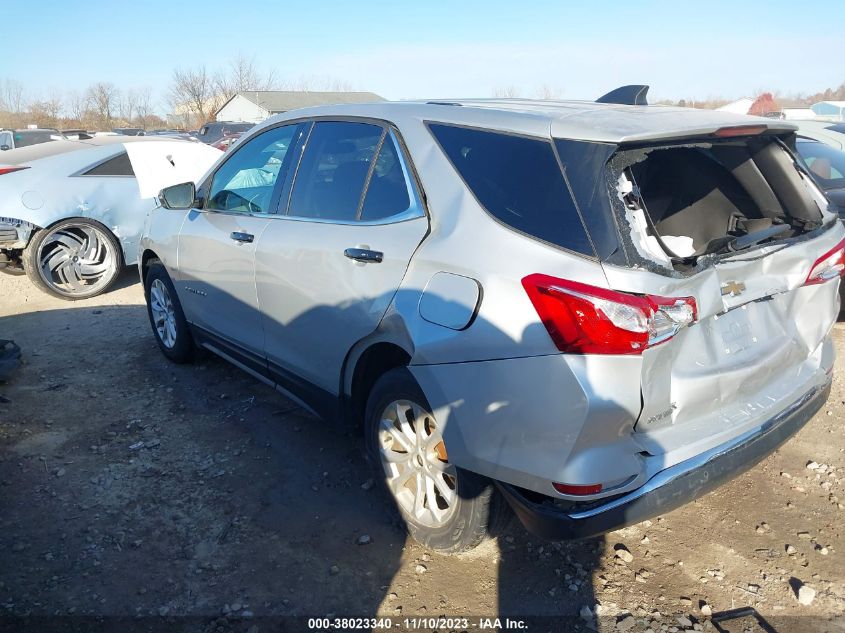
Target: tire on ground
{"points": [[183, 348], [481, 511]]}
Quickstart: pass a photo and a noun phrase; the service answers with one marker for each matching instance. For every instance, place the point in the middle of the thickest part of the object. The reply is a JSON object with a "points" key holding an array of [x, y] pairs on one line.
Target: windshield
{"points": [[826, 163]]}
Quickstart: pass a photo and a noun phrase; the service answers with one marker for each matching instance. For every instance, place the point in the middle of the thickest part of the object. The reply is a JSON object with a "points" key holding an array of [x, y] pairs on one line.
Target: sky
{"points": [[573, 49]]}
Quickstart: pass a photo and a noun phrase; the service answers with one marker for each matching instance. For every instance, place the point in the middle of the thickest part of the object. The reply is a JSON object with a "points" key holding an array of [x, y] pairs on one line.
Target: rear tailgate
{"points": [[747, 357], [760, 340]]}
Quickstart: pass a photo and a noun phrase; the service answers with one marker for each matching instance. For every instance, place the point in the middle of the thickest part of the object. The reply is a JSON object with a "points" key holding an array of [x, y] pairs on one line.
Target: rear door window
{"points": [[518, 181], [387, 192], [334, 169]]}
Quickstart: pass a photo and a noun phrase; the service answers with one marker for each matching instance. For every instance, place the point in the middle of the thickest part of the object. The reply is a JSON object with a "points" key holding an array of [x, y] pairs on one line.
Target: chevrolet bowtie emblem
{"points": [[733, 288]]}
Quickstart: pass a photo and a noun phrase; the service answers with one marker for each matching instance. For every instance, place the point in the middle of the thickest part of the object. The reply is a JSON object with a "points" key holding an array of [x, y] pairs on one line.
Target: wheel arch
{"points": [[148, 258], [365, 363]]}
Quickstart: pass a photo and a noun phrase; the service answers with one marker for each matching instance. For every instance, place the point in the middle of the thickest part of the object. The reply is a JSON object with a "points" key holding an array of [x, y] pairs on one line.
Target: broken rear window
{"points": [[518, 181], [686, 201]]}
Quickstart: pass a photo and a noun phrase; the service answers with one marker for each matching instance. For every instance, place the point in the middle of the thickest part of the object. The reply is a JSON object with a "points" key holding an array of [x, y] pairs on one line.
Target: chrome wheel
{"points": [[164, 316], [413, 455], [77, 259]]}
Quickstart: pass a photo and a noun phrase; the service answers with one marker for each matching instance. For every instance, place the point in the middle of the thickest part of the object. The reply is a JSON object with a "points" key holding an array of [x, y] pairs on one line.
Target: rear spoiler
{"points": [[626, 95]]}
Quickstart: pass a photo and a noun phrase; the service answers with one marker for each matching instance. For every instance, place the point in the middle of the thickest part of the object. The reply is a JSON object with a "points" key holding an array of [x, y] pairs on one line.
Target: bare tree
{"points": [[46, 112], [193, 91], [506, 92], [12, 96], [143, 106], [77, 106], [104, 98], [242, 75], [129, 105], [549, 92]]}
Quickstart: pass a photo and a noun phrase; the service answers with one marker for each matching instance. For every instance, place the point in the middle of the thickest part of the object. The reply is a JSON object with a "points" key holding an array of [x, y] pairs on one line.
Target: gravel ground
{"points": [[193, 497]]}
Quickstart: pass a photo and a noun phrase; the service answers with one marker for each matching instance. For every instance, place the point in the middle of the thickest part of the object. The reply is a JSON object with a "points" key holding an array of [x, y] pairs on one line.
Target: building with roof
{"points": [[832, 110], [801, 114], [256, 105]]}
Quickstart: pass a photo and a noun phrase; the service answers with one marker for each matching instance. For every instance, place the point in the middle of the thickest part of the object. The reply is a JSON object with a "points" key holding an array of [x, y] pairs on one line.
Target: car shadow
{"points": [[228, 504]]}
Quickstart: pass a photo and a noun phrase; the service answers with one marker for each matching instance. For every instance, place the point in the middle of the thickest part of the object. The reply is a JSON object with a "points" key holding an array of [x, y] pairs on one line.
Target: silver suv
{"points": [[593, 312]]}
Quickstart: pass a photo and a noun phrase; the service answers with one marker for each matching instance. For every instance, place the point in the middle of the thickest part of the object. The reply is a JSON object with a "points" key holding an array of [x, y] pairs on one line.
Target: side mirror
{"points": [[180, 197]]}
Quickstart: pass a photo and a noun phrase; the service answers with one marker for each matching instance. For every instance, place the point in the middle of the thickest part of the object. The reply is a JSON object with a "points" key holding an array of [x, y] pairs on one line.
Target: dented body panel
{"points": [[754, 355]]}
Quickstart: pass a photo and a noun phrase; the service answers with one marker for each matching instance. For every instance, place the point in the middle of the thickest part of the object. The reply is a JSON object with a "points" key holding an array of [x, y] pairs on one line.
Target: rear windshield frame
{"points": [[619, 162]]}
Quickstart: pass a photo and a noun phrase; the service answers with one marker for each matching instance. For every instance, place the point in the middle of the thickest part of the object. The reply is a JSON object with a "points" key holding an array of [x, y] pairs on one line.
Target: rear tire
{"points": [[167, 320], [445, 508]]}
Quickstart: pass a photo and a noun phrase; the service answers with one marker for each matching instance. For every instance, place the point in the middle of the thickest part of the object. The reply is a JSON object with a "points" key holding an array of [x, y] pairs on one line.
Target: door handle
{"points": [[242, 237], [364, 255]]}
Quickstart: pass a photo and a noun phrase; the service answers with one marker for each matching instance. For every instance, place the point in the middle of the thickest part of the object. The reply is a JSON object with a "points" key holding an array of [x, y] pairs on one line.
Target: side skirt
{"points": [[316, 400]]}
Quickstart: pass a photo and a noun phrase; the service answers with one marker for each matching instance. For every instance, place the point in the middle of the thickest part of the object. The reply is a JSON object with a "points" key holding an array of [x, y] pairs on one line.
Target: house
{"points": [[254, 106], [833, 110]]}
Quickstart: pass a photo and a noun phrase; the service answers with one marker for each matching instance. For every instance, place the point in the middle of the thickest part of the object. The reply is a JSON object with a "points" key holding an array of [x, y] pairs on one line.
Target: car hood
{"points": [[159, 165]]}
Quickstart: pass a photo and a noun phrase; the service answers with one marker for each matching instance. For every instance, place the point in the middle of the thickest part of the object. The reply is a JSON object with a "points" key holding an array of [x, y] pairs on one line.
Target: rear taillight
{"points": [[9, 170], [583, 319], [828, 266]]}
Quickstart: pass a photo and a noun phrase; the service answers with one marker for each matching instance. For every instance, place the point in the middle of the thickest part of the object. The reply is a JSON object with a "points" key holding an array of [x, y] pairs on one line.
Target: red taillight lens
{"points": [[740, 130], [828, 266], [9, 170], [573, 489], [584, 319]]}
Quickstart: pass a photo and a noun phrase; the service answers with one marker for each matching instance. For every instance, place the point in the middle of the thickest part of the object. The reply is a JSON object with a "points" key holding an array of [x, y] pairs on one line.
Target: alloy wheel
{"points": [[423, 482], [164, 315], [76, 259]]}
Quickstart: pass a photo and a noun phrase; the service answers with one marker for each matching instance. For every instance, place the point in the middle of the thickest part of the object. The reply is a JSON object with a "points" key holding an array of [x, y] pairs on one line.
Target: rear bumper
{"points": [[672, 487]]}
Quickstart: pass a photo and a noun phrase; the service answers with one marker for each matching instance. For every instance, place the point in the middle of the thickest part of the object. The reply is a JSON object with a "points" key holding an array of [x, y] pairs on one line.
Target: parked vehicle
{"points": [[214, 131], [129, 131], [592, 311], [77, 134], [71, 212], [827, 132], [827, 165], [12, 139], [226, 142], [180, 134]]}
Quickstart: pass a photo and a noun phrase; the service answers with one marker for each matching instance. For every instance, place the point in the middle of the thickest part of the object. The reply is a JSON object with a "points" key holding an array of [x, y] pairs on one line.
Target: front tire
{"points": [[167, 320], [74, 259], [443, 507]]}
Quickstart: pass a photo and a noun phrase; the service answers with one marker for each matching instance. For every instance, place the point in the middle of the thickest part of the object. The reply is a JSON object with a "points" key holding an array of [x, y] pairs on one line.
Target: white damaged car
{"points": [[71, 212]]}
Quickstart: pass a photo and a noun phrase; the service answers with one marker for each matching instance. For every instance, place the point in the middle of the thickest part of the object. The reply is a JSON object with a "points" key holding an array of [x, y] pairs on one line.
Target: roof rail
{"points": [[626, 95]]}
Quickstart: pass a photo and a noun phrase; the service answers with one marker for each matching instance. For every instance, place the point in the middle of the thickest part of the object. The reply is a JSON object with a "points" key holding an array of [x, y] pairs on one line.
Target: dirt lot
{"points": [[134, 492]]}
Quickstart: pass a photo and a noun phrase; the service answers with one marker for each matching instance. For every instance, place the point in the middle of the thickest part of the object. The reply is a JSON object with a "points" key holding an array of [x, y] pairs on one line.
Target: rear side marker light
{"points": [[10, 169], [741, 130], [574, 489], [828, 266], [584, 319]]}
